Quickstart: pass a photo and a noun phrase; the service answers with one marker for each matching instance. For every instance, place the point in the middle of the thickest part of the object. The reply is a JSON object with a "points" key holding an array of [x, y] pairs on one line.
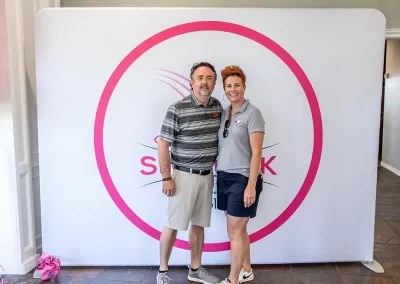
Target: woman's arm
{"points": [[256, 142]]}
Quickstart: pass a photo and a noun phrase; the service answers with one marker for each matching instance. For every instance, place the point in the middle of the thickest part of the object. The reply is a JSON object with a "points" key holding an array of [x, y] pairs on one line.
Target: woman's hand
{"points": [[249, 196]]}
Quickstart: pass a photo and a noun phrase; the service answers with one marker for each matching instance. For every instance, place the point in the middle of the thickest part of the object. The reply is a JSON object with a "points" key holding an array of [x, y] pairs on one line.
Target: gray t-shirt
{"points": [[234, 151]]}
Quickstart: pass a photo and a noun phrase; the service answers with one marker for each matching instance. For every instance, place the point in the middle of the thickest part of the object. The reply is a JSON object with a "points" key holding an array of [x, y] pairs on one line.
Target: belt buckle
{"points": [[200, 172]]}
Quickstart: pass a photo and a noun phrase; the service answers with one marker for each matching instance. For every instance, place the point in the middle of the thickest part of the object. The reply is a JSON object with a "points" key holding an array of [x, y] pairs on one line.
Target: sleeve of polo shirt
{"points": [[170, 126], [256, 122]]}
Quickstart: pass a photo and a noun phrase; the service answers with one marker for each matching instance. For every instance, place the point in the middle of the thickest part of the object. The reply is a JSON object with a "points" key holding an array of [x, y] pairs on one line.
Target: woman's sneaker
{"points": [[226, 281], [245, 276]]}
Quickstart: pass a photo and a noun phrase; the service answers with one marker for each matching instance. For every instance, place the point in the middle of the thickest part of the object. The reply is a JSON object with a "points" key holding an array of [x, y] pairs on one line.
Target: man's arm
{"points": [[169, 130], [168, 186], [164, 158]]}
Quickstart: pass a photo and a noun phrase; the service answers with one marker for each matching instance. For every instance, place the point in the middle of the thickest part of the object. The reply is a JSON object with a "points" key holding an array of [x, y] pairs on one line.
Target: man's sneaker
{"points": [[245, 276], [201, 275], [163, 278]]}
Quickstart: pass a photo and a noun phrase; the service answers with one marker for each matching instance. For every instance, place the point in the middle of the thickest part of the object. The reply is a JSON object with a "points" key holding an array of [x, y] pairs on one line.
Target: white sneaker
{"points": [[226, 281], [245, 276]]}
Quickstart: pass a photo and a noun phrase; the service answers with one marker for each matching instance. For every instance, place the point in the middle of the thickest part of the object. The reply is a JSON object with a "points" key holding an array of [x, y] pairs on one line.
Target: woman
{"points": [[239, 181]]}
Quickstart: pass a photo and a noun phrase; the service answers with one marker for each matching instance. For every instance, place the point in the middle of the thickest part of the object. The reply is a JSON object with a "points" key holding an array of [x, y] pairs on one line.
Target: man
{"points": [[191, 128]]}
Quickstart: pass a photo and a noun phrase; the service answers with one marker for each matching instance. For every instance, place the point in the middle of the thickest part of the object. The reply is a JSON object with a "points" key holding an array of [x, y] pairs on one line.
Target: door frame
{"points": [[390, 34]]}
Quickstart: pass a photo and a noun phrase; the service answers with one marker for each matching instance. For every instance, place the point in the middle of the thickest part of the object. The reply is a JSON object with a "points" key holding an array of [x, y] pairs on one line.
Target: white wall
{"points": [[391, 8], [17, 242], [6, 157], [29, 11], [19, 185], [224, 3], [391, 122], [30, 8]]}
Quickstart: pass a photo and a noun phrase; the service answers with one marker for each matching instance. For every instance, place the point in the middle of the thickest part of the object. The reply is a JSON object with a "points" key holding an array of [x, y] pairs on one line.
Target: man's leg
{"points": [[167, 240], [196, 240], [201, 218], [178, 219]]}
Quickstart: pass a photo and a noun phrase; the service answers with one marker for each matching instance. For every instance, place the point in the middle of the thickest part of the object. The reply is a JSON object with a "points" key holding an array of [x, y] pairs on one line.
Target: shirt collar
{"points": [[196, 102], [242, 109]]}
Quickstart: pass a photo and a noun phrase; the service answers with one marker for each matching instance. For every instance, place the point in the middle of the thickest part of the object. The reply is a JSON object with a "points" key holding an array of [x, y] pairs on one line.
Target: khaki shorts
{"points": [[191, 202]]}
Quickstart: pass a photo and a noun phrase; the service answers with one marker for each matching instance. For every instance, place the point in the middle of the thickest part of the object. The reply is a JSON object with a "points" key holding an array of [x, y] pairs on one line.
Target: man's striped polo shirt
{"points": [[192, 130]]}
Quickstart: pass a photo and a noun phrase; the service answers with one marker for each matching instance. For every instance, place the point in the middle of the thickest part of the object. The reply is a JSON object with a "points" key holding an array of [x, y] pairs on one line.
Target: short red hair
{"points": [[233, 70]]}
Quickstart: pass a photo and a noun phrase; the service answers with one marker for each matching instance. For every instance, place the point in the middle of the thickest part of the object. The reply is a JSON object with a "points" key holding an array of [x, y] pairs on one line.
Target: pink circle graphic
{"points": [[196, 27]]}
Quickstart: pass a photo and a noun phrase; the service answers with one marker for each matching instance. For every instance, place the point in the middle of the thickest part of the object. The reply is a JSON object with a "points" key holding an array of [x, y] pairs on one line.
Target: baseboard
{"points": [[392, 33], [390, 168], [31, 264]]}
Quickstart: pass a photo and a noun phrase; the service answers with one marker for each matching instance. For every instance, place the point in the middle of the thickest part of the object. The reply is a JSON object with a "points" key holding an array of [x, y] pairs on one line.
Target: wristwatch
{"points": [[167, 178]]}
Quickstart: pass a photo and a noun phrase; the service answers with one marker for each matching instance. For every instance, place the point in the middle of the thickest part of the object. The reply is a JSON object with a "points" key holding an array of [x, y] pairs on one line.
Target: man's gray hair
{"points": [[202, 64]]}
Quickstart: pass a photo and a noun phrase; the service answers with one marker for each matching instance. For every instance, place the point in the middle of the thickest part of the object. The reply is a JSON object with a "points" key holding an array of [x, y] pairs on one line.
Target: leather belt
{"points": [[193, 171]]}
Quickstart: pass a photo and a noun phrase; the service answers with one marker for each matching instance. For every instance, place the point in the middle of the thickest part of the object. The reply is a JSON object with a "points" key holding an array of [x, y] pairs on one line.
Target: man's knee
{"points": [[197, 229], [168, 232], [177, 223]]}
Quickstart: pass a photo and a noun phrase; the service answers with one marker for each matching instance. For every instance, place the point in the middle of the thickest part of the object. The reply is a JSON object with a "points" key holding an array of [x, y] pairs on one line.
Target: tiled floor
{"points": [[387, 252]]}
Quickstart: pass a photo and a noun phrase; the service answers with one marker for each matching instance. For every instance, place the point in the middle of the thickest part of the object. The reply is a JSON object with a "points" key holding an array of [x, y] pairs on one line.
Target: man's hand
{"points": [[249, 196], [168, 187]]}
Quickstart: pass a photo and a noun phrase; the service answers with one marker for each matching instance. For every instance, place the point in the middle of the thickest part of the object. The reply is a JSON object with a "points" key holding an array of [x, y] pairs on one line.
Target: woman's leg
{"points": [[246, 245], [237, 227], [259, 188], [246, 262]]}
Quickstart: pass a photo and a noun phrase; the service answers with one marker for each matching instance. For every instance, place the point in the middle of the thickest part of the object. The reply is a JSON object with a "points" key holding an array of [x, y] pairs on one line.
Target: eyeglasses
{"points": [[226, 132]]}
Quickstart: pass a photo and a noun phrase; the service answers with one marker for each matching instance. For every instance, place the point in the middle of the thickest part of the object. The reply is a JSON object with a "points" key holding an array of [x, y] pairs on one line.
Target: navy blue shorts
{"points": [[230, 194]]}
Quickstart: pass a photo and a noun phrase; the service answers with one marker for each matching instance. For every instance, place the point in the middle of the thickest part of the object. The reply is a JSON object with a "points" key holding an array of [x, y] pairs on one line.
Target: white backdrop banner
{"points": [[105, 78]]}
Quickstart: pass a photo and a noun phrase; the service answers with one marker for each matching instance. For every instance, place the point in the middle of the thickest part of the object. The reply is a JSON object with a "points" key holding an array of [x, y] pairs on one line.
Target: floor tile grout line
{"points": [[340, 274], [102, 269], [387, 222], [379, 260], [390, 179], [148, 272]]}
